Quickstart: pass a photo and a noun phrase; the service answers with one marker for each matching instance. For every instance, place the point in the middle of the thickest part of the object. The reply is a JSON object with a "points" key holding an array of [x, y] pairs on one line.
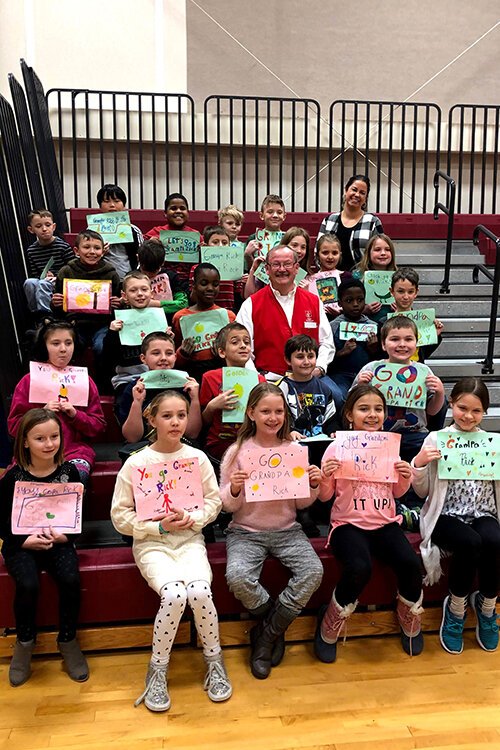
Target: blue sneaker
{"points": [[486, 628], [451, 632]]}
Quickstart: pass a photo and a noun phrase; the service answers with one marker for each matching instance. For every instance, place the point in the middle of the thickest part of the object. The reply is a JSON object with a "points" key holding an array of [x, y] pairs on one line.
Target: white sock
{"points": [[487, 606], [457, 605]]}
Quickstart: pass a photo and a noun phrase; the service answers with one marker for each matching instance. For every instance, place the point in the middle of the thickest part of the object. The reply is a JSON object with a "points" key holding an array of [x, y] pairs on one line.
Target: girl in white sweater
{"points": [[461, 517]]}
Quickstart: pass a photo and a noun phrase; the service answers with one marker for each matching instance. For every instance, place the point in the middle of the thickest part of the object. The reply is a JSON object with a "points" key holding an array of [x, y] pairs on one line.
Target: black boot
{"points": [[279, 645], [265, 636]]}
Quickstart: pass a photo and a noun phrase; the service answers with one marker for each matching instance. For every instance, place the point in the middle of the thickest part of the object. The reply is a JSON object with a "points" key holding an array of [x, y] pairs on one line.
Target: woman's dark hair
{"points": [[354, 395], [48, 325], [32, 419], [364, 179], [471, 386]]}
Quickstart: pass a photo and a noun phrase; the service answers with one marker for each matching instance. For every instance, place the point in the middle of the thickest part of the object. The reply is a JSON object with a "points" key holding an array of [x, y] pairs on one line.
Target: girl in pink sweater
{"points": [[262, 528], [364, 523], [55, 345]]}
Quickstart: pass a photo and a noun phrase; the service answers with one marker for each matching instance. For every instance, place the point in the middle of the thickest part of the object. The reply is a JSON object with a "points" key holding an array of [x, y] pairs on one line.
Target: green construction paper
{"points": [[267, 239], [327, 289], [164, 379], [424, 320], [180, 247], [203, 327], [378, 287], [241, 380], [402, 385], [47, 267], [359, 331], [468, 455], [228, 260], [114, 227], [138, 323]]}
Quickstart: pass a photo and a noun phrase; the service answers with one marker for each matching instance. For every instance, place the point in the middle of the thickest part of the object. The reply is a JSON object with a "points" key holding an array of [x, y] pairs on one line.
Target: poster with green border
{"points": [[424, 320], [114, 226], [468, 455], [267, 240], [348, 329], [402, 385], [378, 287], [228, 260], [180, 247], [241, 380]]}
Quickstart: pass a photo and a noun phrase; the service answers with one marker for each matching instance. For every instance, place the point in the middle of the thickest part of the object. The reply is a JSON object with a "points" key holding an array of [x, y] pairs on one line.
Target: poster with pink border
{"points": [[160, 486], [49, 383], [367, 455], [80, 295], [276, 473], [38, 505]]}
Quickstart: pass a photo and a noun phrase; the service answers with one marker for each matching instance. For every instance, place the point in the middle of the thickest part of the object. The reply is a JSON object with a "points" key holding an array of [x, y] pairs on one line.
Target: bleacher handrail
{"points": [[449, 210], [487, 368]]}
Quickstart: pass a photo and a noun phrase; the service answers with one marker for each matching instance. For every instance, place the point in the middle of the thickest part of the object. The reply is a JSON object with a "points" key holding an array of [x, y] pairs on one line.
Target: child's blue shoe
{"points": [[486, 628], [451, 632]]}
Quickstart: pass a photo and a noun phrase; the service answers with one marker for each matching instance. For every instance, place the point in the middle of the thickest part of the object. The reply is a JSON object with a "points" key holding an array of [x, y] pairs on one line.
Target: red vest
{"points": [[271, 330]]}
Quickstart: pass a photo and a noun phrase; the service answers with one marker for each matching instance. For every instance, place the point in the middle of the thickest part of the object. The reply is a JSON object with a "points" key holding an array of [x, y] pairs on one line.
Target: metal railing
{"points": [[449, 210], [400, 140], [487, 368]]}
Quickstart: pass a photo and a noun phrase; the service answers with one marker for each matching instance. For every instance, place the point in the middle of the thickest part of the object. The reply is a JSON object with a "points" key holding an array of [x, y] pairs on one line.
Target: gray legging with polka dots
{"points": [[174, 597]]}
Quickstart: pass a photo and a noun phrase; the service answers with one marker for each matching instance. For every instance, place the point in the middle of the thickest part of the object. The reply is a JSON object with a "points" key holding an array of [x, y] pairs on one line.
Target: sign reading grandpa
{"points": [[402, 385]]}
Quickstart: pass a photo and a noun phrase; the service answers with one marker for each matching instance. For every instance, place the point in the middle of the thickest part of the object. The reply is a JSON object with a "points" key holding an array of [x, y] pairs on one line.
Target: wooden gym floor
{"points": [[373, 697]]}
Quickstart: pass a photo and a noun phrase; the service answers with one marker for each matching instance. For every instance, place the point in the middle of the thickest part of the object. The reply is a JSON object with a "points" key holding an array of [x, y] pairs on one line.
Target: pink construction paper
{"points": [[49, 383], [158, 487], [38, 505], [366, 455], [81, 295], [276, 473]]}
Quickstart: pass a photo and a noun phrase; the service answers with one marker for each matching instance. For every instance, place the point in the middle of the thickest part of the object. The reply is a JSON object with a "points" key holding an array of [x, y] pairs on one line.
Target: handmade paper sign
{"points": [[160, 287], [164, 379], [203, 327], [159, 487], [276, 473], [358, 331], [424, 320], [114, 227], [138, 323], [241, 380], [227, 260], [80, 295], [367, 455], [267, 240], [402, 385], [378, 287], [468, 455], [49, 383], [47, 267], [38, 505], [180, 247], [327, 289]]}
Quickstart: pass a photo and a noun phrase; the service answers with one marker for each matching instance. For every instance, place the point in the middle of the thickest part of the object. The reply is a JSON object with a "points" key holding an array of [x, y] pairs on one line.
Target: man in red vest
{"points": [[281, 310]]}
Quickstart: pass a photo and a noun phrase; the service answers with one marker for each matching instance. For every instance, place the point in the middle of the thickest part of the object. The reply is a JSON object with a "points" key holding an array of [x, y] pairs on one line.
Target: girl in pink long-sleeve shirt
{"points": [[263, 528], [55, 345], [364, 523]]}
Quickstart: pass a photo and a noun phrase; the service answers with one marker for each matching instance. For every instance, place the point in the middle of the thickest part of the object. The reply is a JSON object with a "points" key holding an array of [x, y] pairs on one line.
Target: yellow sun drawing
{"points": [[275, 460], [82, 300], [238, 389], [298, 471], [255, 487], [199, 328]]}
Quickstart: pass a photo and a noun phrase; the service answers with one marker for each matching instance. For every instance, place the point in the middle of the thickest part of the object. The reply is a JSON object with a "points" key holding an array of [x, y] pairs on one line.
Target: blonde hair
{"points": [[291, 234], [365, 263], [248, 429], [231, 211]]}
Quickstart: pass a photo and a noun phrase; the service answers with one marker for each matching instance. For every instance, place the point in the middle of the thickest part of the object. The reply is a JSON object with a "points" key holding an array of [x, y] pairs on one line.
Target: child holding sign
{"points": [[273, 214], [196, 327], [167, 291], [328, 254], [411, 389], [38, 452], [268, 527], [170, 552], [122, 255], [55, 345], [364, 523], [89, 266], [234, 348], [379, 255], [461, 517], [177, 213], [230, 286], [157, 354]]}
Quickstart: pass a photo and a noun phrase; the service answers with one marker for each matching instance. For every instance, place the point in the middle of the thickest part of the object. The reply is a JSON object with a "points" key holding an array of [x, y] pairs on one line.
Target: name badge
{"points": [[310, 324]]}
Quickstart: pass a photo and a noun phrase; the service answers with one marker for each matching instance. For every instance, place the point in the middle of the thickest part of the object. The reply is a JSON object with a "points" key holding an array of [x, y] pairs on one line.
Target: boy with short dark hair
{"points": [[404, 289], [234, 347], [167, 291], [157, 353], [50, 249], [89, 265], [399, 341], [177, 213], [350, 354], [122, 255]]}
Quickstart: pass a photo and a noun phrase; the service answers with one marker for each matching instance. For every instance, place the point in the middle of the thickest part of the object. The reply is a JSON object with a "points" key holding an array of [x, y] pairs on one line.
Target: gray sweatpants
{"points": [[246, 553]]}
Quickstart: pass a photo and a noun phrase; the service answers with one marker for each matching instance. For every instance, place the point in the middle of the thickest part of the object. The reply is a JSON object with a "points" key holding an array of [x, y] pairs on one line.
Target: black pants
{"points": [[475, 549], [61, 563], [354, 548]]}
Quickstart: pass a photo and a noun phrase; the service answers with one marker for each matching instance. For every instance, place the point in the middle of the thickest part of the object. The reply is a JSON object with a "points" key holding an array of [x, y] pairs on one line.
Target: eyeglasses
{"points": [[275, 264]]}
